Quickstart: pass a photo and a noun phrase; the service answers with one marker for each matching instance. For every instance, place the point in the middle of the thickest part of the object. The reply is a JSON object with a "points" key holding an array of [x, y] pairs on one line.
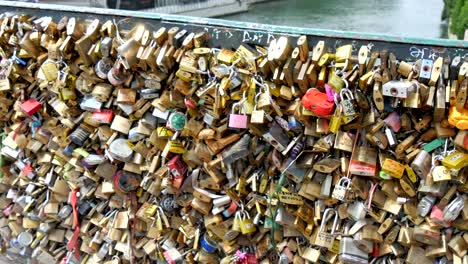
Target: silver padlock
{"points": [[357, 210], [398, 89], [425, 205], [347, 102], [349, 252], [340, 190], [326, 186], [422, 164], [323, 238]]}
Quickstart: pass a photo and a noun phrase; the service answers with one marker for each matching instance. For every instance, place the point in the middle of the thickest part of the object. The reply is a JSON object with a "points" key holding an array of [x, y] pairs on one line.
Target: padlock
{"points": [[347, 102], [349, 252], [393, 168], [455, 160], [413, 99], [246, 224], [363, 162], [238, 121], [335, 120], [340, 190], [325, 239], [31, 106], [398, 89], [422, 164], [317, 102]]}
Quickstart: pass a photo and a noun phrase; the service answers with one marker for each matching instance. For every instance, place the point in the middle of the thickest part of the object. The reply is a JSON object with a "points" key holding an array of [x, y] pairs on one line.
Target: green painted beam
{"points": [[226, 33]]}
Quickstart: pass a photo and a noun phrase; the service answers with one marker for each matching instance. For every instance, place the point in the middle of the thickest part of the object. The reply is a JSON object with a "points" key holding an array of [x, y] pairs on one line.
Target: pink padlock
{"points": [[437, 216], [237, 120]]}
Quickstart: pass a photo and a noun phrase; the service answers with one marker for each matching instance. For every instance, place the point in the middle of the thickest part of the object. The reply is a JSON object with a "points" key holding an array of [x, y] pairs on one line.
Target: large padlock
{"points": [[317, 102], [363, 161], [239, 121], [340, 190], [350, 252], [325, 239]]}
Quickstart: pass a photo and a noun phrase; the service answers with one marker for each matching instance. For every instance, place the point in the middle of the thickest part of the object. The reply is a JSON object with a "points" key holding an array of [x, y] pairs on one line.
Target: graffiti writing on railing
{"points": [[219, 33], [423, 53], [251, 37], [257, 37]]}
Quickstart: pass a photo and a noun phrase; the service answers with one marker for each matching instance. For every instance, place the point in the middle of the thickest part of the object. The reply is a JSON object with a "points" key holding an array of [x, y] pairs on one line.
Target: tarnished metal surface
{"points": [[231, 33]]}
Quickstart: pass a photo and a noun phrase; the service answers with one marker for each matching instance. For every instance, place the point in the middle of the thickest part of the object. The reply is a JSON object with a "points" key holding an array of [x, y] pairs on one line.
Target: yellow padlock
{"points": [[456, 160], [393, 168]]}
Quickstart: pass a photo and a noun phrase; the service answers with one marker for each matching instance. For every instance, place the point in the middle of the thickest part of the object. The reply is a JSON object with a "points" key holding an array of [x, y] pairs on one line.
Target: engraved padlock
{"points": [[239, 120], [340, 190], [246, 224], [325, 239], [347, 102]]}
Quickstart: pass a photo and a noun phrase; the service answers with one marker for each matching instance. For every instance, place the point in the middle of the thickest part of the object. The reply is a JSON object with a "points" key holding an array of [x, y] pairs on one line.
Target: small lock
{"points": [[347, 102], [246, 224], [425, 205], [413, 99], [238, 121], [422, 164], [456, 160], [335, 120], [31, 106], [340, 190], [317, 102], [81, 134], [393, 168]]}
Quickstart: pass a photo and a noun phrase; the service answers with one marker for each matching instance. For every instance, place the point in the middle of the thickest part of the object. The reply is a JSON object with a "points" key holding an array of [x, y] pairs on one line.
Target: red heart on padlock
{"points": [[317, 102]]}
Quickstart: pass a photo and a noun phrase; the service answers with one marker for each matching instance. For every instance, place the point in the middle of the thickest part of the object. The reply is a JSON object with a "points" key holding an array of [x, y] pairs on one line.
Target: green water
{"points": [[412, 18]]}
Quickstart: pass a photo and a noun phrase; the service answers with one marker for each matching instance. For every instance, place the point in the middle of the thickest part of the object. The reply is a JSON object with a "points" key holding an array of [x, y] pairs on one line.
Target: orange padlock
{"points": [[457, 118]]}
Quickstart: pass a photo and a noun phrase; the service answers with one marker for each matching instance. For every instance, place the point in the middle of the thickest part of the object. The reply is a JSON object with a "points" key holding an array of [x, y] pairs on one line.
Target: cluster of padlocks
{"points": [[141, 146]]}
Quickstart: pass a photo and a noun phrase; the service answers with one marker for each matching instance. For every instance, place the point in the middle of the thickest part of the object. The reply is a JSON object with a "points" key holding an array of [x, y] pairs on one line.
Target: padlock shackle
{"points": [[325, 216], [345, 180], [348, 93]]}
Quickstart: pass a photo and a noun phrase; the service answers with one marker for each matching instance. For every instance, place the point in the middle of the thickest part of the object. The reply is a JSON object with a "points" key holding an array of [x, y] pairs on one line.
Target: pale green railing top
{"points": [[226, 32]]}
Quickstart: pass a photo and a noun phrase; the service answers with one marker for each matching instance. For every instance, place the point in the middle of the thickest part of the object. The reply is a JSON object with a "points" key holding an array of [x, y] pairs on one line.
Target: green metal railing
{"points": [[230, 34]]}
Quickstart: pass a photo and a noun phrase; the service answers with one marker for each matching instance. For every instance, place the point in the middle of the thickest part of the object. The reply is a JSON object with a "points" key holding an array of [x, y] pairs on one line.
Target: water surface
{"points": [[410, 18]]}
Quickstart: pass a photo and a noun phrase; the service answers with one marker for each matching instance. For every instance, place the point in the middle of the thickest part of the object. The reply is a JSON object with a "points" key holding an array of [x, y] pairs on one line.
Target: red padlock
{"points": [[177, 166], [317, 102], [31, 106], [103, 116]]}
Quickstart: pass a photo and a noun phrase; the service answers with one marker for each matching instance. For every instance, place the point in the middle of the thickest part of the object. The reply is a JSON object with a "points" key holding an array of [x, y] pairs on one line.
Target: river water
{"points": [[409, 18]]}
